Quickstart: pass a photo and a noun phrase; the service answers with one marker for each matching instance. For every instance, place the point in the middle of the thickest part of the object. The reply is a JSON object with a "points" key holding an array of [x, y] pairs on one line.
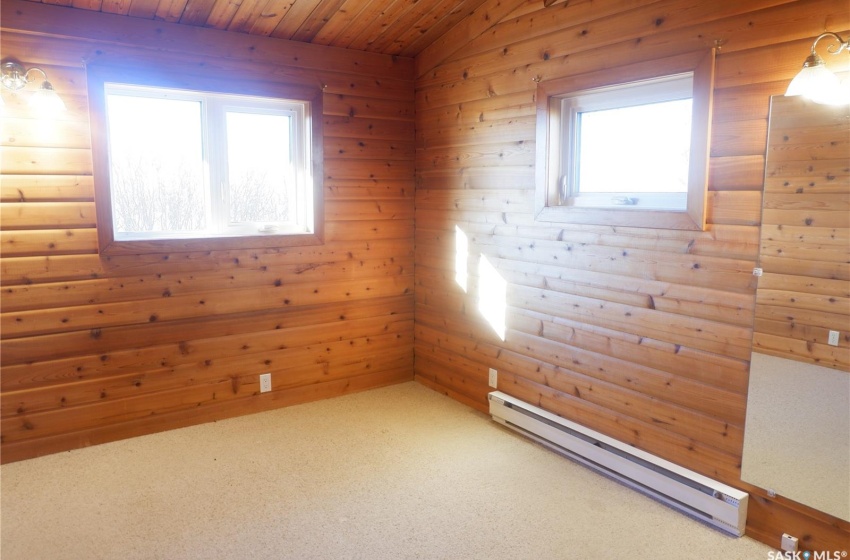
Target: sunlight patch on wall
{"points": [[492, 296], [461, 258]]}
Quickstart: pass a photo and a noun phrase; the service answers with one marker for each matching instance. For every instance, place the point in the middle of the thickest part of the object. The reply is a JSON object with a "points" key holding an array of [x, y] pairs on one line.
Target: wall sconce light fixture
{"points": [[15, 77], [816, 82]]}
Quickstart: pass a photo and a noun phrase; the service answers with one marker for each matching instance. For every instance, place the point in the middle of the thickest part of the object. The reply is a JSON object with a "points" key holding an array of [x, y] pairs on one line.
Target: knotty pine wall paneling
{"points": [[805, 235], [643, 334], [100, 348]]}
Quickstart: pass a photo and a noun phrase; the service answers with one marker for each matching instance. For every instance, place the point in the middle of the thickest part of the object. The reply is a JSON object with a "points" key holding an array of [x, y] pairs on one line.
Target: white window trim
{"points": [[300, 135], [549, 193], [227, 87], [214, 109], [656, 90]]}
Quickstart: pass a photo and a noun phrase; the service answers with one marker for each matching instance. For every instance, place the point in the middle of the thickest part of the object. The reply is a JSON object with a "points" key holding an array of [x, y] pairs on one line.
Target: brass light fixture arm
{"points": [[15, 76], [842, 44]]}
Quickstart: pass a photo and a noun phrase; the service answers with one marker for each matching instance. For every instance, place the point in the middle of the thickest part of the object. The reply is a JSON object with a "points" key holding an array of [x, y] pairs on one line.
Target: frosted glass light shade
{"points": [[46, 100], [818, 84]]}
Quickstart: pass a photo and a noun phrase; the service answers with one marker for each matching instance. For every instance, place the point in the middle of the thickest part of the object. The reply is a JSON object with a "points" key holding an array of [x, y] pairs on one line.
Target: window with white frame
{"points": [[630, 151], [192, 162], [187, 164], [647, 126]]}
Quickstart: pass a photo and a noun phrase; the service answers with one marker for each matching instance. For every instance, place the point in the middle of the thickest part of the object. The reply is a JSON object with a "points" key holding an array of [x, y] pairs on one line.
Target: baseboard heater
{"points": [[698, 496]]}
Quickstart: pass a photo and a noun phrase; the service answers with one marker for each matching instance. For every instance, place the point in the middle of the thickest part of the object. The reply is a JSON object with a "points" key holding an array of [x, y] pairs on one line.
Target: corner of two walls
{"points": [[642, 334]]}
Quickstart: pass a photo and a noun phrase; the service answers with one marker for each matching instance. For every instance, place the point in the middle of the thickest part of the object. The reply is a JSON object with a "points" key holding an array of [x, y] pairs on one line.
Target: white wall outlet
{"points": [[833, 338], [789, 543], [265, 382], [494, 378]]}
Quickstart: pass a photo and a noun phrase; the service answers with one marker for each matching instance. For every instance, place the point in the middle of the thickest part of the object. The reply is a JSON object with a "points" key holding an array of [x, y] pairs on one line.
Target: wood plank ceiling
{"points": [[395, 27]]}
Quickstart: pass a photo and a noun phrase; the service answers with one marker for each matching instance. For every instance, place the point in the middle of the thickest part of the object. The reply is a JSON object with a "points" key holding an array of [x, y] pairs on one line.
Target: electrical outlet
{"points": [[789, 543], [265, 382], [833, 338], [494, 378]]}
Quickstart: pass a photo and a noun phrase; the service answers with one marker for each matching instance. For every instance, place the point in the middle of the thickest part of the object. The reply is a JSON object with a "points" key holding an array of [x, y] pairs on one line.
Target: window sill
{"points": [[136, 247], [635, 217]]}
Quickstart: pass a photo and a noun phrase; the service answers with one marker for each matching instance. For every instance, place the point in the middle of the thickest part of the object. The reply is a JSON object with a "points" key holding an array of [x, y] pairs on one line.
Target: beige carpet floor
{"points": [[394, 473]]}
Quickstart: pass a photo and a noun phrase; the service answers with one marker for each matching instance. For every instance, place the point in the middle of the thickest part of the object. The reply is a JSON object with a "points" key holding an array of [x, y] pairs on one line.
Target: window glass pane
{"points": [[156, 164], [261, 173], [640, 149]]}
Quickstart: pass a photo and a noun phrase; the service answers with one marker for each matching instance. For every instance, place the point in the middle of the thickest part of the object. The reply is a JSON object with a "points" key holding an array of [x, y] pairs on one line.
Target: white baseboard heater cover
{"points": [[696, 495]]}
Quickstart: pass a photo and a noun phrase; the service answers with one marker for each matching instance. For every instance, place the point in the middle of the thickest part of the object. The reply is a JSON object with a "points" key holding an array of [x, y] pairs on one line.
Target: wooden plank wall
{"points": [[805, 235], [96, 349], [642, 334]]}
